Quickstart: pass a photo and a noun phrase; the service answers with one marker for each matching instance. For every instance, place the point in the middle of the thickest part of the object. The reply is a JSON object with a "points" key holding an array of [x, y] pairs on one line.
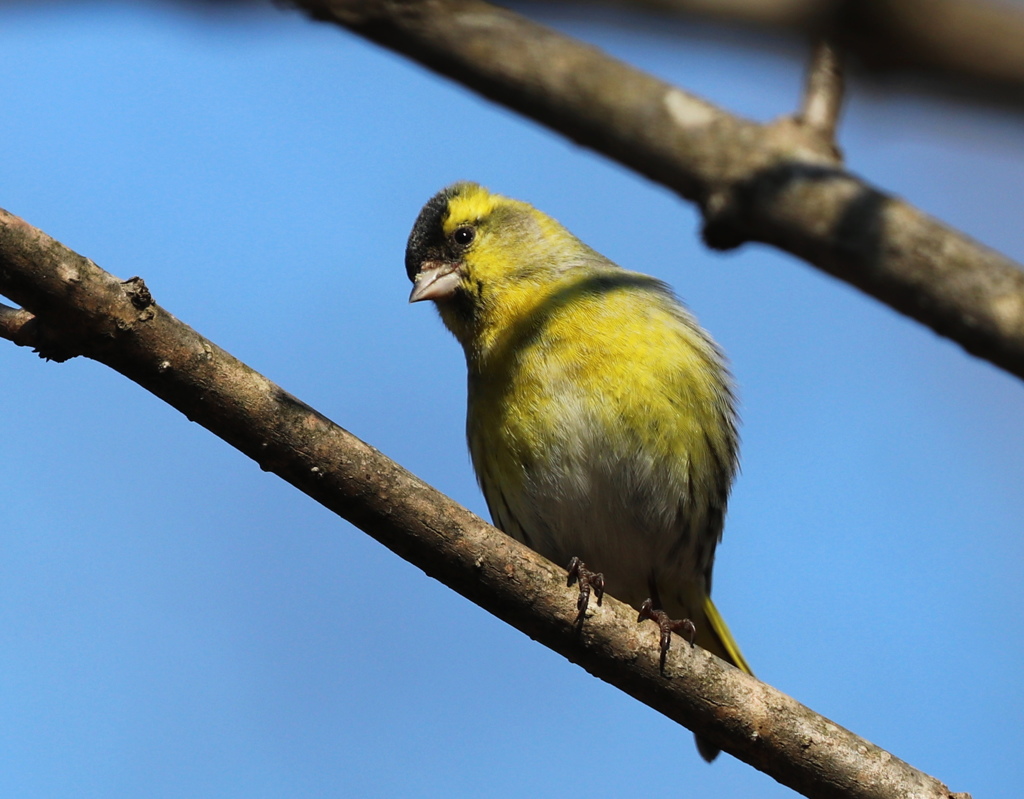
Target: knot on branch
{"points": [[59, 336], [723, 219], [797, 150], [137, 291]]}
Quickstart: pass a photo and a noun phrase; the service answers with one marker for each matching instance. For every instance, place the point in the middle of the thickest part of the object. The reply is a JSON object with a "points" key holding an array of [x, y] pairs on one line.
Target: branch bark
{"points": [[72, 307], [779, 184]]}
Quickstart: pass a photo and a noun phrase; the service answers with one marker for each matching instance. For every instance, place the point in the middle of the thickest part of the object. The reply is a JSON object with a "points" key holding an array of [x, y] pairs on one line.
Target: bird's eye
{"points": [[463, 236]]}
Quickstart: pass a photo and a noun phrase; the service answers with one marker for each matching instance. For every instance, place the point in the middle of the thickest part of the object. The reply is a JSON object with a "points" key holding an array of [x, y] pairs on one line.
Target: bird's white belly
{"points": [[622, 513]]}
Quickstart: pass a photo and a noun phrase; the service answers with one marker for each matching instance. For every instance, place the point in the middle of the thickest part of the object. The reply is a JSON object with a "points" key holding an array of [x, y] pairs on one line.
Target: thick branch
{"points": [[778, 184], [84, 310]]}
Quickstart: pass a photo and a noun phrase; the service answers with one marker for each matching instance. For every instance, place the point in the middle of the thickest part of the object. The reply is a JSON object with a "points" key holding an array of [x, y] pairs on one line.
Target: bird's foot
{"points": [[579, 573], [684, 627]]}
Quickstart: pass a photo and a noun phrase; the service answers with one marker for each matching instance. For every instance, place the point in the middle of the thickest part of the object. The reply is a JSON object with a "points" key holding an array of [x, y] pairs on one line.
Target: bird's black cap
{"points": [[427, 236]]}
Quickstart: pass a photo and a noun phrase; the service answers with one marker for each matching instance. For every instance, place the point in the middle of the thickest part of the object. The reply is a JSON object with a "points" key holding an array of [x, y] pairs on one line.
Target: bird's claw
{"points": [[684, 627], [579, 573]]}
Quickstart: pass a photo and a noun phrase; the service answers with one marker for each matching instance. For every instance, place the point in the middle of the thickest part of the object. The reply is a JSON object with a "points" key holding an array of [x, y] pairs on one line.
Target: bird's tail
{"points": [[714, 636], [721, 641]]}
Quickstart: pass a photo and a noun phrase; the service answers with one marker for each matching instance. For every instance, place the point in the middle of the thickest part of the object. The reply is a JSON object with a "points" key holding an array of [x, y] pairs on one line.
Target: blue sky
{"points": [[175, 622]]}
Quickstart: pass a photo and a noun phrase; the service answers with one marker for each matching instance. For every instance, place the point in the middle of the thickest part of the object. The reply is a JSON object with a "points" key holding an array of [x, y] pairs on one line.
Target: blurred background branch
{"points": [[963, 49], [823, 93]]}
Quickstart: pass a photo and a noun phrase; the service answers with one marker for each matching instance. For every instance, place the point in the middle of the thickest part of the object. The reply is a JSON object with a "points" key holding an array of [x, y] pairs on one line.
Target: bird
{"points": [[601, 418]]}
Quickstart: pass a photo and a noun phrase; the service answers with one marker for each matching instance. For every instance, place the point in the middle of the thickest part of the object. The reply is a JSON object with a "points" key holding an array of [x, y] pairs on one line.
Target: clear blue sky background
{"points": [[174, 622]]}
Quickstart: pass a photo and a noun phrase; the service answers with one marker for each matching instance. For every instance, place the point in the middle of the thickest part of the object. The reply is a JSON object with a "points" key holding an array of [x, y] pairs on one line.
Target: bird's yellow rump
{"points": [[601, 419]]}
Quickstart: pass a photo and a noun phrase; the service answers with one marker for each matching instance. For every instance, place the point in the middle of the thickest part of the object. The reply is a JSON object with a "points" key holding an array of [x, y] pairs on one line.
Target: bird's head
{"points": [[485, 260]]}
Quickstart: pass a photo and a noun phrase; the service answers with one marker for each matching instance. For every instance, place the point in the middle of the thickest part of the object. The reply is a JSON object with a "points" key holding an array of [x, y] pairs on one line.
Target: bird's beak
{"points": [[435, 280]]}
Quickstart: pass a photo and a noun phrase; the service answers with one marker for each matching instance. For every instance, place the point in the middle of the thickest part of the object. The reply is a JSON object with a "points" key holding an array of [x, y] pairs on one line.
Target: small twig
{"points": [[823, 92], [13, 322]]}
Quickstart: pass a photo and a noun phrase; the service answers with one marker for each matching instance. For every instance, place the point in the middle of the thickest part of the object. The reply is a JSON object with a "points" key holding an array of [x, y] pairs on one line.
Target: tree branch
{"points": [[823, 93], [962, 48], [78, 308], [13, 324], [779, 184]]}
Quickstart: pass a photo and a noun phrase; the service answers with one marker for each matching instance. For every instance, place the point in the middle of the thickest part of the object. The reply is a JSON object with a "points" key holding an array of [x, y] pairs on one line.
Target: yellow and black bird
{"points": [[601, 419]]}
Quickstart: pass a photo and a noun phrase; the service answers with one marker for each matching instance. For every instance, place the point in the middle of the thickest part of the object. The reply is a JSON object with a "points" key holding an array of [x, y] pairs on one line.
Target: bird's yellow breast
{"points": [[601, 365]]}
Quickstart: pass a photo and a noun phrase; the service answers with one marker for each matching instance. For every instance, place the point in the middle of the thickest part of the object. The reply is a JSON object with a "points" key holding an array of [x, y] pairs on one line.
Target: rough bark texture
{"points": [[780, 184], [72, 307]]}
